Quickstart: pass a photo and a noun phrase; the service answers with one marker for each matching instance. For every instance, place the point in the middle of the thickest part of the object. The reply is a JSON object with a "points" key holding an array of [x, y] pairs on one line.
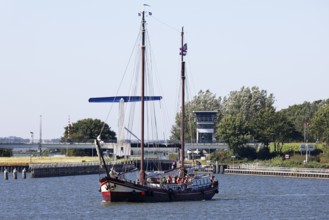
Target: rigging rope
{"points": [[108, 114], [162, 22], [188, 84]]}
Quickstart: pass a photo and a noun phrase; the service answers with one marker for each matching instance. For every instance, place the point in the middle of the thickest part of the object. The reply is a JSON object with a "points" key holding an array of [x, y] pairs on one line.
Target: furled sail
{"points": [[125, 98]]}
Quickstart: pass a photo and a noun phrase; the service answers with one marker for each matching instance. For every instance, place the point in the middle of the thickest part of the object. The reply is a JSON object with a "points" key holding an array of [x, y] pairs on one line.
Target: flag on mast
{"points": [[183, 50]]}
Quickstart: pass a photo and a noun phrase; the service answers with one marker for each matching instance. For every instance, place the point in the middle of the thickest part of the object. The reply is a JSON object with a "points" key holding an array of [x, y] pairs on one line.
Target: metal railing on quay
{"points": [[279, 169]]}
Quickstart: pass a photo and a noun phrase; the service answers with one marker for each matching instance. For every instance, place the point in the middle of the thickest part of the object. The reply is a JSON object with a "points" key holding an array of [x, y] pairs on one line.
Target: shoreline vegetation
{"points": [[284, 155]]}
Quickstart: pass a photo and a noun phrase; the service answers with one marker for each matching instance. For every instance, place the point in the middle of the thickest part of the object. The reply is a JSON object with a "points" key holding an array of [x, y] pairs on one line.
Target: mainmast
{"points": [[182, 134], [142, 172]]}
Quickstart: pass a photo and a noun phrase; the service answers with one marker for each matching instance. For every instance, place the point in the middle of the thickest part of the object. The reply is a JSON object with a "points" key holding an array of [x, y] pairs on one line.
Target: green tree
{"points": [[320, 124], [271, 126], [204, 101], [284, 131], [263, 126], [87, 130], [247, 102], [300, 113], [234, 131], [241, 112]]}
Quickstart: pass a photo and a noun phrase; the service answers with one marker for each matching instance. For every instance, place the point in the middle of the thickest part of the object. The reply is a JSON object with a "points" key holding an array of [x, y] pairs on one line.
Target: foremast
{"points": [[182, 133]]}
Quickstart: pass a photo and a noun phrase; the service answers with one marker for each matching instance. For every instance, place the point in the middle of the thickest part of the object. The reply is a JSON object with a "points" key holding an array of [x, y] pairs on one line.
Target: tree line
{"points": [[249, 115], [244, 116]]}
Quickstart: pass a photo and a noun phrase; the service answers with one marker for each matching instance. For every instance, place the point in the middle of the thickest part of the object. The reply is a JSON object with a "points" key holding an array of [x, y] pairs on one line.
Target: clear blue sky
{"points": [[54, 55]]}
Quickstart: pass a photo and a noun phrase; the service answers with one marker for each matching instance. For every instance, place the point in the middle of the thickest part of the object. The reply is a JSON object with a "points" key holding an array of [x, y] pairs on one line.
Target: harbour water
{"points": [[240, 197]]}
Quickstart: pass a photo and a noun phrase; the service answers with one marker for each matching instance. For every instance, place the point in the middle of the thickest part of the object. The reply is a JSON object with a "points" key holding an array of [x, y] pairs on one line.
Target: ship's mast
{"points": [[142, 172], [182, 134]]}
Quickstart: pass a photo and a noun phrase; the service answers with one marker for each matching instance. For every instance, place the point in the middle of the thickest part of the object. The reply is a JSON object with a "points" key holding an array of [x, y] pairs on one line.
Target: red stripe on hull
{"points": [[106, 196]]}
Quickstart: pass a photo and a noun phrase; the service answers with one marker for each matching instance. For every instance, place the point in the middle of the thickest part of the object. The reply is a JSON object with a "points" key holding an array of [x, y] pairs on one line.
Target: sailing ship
{"points": [[178, 184]]}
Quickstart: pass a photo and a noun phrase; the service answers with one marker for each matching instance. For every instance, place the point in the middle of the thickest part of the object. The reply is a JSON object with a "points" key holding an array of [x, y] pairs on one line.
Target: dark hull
{"points": [[137, 193]]}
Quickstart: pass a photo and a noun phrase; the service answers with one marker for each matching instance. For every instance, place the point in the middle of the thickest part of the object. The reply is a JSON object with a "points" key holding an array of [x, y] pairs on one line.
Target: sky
{"points": [[55, 55]]}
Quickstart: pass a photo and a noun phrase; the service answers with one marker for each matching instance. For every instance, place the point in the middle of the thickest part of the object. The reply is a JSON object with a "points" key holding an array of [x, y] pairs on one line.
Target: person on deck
{"points": [[174, 165], [169, 180], [185, 182]]}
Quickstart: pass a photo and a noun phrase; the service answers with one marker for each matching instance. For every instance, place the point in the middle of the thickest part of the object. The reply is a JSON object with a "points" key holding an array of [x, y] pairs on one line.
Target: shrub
{"points": [[248, 153], [265, 154], [221, 156], [6, 152]]}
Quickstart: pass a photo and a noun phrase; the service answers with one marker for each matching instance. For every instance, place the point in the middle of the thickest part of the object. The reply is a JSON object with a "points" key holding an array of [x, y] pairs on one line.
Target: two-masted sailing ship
{"points": [[177, 185]]}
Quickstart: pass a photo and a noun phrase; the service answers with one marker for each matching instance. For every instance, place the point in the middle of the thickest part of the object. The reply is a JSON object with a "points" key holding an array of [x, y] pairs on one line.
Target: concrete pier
{"points": [[71, 169], [84, 168]]}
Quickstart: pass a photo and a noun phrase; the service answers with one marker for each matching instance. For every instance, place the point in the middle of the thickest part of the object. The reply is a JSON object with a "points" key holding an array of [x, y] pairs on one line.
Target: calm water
{"points": [[240, 197]]}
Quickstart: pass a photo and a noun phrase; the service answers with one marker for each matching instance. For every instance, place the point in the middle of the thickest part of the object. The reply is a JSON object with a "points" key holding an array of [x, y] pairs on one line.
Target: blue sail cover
{"points": [[125, 99]]}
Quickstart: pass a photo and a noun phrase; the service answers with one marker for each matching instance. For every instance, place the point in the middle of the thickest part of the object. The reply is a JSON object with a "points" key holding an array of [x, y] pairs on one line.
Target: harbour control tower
{"points": [[205, 122]]}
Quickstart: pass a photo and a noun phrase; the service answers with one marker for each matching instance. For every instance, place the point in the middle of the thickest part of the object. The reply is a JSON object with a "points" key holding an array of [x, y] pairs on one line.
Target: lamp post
{"points": [[306, 149], [306, 124], [31, 137]]}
